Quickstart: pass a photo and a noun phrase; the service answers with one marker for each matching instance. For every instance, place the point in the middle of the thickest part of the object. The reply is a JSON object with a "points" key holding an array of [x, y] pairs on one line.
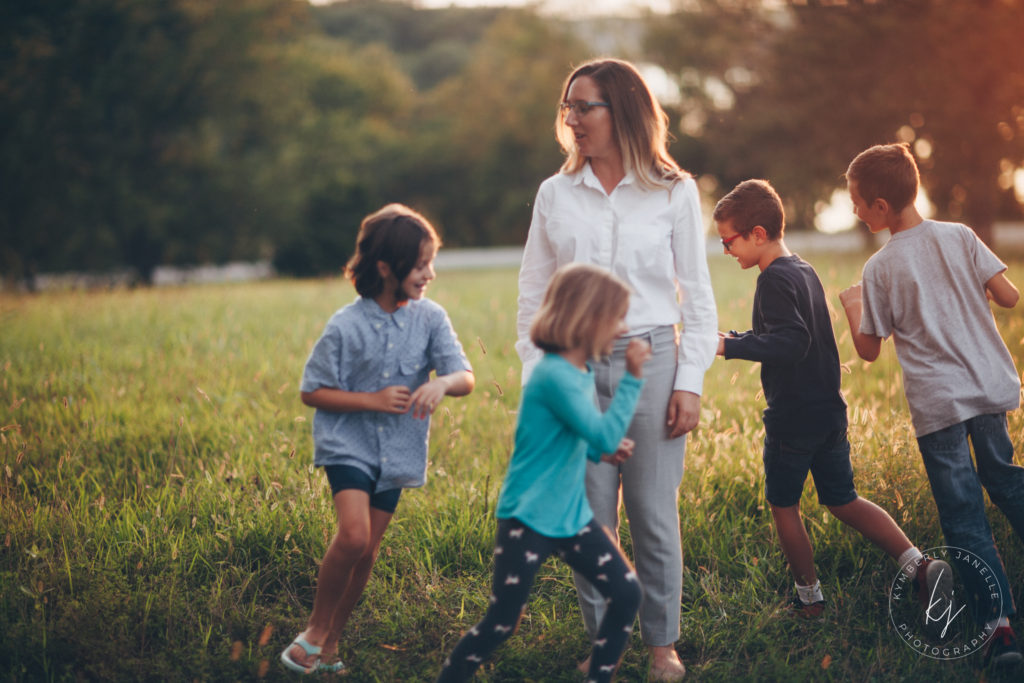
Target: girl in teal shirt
{"points": [[543, 508]]}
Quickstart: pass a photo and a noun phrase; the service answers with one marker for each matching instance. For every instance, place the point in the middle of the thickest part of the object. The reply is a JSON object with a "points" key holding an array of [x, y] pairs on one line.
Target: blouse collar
{"points": [[587, 177]]}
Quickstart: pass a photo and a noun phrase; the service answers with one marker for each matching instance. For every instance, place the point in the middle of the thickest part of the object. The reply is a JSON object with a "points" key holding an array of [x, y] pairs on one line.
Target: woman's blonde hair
{"points": [[579, 301], [639, 124]]}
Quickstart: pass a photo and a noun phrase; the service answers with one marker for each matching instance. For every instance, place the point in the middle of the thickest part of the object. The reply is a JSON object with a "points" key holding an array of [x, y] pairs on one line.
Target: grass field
{"points": [[160, 518]]}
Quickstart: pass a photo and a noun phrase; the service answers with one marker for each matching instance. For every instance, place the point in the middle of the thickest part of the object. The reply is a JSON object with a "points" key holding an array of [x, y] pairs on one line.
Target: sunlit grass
{"points": [[159, 517]]}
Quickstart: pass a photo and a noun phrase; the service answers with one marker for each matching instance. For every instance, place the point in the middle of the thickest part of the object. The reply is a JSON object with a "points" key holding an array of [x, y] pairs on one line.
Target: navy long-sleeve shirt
{"points": [[793, 340]]}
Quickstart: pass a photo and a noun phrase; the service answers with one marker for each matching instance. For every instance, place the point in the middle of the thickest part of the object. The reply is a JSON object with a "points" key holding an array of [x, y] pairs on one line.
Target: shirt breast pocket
{"points": [[412, 365], [565, 236]]}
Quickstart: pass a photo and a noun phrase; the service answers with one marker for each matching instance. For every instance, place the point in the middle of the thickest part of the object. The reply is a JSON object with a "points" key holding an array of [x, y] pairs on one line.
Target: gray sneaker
{"points": [[933, 583], [1003, 653]]}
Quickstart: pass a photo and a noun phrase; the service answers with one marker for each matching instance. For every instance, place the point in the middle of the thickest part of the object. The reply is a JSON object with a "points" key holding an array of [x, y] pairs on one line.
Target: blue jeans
{"points": [[957, 488]]}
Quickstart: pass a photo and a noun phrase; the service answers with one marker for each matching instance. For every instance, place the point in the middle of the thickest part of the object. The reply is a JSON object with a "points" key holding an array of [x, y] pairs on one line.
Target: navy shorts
{"points": [[826, 456], [342, 477]]}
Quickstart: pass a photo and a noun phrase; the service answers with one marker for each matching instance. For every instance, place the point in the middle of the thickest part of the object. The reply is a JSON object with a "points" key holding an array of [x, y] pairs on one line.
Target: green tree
{"points": [[802, 90], [486, 137], [348, 148], [129, 132], [430, 44]]}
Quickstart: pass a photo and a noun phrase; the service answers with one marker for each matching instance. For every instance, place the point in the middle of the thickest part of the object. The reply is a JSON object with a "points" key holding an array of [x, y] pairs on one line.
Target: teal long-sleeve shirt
{"points": [[560, 427]]}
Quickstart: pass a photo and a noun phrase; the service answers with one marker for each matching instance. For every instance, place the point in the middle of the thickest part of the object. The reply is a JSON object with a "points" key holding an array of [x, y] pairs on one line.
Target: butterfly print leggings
{"points": [[518, 554]]}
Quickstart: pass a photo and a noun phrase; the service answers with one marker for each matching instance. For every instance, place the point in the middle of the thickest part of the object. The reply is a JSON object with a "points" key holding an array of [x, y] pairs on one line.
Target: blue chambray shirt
{"points": [[364, 348]]}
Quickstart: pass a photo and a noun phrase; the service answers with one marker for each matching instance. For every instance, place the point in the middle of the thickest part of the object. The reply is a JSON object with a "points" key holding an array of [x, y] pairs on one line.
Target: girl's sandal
{"points": [[310, 650], [333, 668]]}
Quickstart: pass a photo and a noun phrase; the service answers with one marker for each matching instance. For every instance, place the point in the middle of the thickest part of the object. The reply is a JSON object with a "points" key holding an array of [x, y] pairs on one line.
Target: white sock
{"points": [[996, 623], [908, 561], [809, 594]]}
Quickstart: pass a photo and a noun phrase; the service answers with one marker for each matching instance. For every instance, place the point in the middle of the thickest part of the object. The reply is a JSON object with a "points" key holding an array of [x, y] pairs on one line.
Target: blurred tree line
{"points": [[792, 94], [189, 131], [140, 133]]}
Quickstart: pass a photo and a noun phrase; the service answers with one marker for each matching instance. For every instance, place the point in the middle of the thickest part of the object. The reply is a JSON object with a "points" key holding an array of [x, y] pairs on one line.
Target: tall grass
{"points": [[160, 519]]}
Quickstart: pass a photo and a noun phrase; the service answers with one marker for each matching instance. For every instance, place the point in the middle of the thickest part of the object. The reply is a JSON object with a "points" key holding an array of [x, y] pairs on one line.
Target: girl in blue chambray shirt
{"points": [[369, 379]]}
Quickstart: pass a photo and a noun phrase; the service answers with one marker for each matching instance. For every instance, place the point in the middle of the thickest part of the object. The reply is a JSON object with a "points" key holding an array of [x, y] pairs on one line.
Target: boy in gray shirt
{"points": [[928, 288]]}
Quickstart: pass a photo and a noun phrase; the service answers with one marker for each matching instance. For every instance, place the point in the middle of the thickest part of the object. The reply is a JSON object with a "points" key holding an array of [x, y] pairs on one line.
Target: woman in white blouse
{"points": [[621, 202]]}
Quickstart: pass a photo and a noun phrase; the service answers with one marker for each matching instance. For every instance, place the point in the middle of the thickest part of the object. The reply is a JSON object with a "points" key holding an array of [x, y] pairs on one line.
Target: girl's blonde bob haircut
{"points": [[580, 300]]}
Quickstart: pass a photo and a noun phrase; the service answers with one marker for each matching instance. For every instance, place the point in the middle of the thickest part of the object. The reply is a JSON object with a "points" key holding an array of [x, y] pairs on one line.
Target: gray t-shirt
{"points": [[926, 288]]}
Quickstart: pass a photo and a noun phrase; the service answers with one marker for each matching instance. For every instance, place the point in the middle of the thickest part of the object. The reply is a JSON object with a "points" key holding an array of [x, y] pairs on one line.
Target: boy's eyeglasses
{"points": [[726, 241], [580, 107]]}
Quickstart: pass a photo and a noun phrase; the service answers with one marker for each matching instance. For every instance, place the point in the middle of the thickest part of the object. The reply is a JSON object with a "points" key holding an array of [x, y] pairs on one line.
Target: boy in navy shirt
{"points": [[805, 419]]}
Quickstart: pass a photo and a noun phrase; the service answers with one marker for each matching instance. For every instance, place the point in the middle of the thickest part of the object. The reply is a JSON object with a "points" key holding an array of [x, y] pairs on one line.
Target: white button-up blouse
{"points": [[654, 240]]}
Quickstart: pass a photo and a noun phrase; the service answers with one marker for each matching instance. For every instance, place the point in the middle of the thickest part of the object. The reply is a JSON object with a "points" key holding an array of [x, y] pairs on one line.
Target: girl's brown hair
{"points": [[579, 301], [639, 124], [394, 235]]}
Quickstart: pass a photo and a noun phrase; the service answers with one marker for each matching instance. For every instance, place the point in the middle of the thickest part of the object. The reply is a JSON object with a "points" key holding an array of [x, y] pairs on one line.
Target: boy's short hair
{"points": [[394, 235], [579, 300], [886, 172], [752, 203]]}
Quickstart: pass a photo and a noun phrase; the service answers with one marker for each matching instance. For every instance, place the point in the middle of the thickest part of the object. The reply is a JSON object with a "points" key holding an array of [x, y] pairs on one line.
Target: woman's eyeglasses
{"points": [[580, 107]]}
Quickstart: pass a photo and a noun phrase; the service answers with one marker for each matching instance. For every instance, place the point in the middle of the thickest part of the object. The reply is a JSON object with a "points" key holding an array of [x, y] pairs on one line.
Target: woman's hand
{"points": [[683, 413], [638, 352]]}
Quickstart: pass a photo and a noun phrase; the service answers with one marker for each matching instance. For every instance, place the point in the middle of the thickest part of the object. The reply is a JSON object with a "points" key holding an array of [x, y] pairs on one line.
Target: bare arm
{"points": [[427, 396], [1000, 290], [868, 346], [393, 399], [458, 383]]}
